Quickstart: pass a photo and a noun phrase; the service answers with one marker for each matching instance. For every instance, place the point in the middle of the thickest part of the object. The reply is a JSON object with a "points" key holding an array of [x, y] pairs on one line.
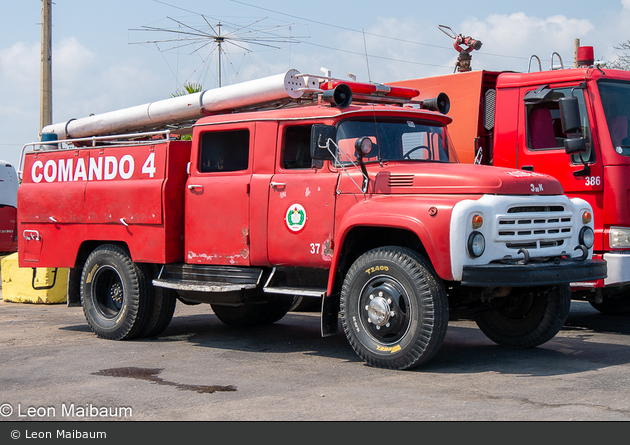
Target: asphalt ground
{"points": [[199, 369]]}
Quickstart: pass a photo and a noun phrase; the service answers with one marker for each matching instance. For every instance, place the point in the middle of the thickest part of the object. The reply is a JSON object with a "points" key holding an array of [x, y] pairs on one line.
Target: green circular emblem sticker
{"points": [[295, 218]]}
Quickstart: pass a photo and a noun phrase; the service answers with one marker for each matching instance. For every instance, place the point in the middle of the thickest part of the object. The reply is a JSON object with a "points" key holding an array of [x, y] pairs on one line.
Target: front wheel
{"points": [[115, 293], [394, 309], [527, 319]]}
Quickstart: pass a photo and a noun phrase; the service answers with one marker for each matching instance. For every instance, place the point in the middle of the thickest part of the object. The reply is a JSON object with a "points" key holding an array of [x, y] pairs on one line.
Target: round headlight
{"points": [[587, 237], [476, 244]]}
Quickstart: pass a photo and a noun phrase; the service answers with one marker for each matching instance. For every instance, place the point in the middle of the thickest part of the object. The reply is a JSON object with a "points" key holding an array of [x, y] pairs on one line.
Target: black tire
{"points": [[253, 314], [613, 305], [305, 304], [527, 319], [394, 308], [164, 302], [115, 293]]}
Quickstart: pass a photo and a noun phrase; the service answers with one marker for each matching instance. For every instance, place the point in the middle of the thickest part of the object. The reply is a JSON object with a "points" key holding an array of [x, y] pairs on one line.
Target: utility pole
{"points": [[576, 45], [45, 96]]}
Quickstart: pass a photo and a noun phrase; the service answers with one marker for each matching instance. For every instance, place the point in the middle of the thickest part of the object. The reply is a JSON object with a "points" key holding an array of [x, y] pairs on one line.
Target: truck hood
{"points": [[438, 178]]}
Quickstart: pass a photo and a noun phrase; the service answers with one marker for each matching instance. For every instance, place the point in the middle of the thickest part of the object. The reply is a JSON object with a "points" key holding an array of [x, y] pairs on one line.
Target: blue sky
{"points": [[105, 56]]}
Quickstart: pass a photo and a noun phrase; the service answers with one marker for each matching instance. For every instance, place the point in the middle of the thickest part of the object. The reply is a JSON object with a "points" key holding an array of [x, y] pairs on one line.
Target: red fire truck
{"points": [[512, 119], [293, 185]]}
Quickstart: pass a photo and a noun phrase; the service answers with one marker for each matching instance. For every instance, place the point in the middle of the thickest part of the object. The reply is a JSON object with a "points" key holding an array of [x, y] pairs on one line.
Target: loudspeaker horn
{"points": [[440, 103], [341, 96]]}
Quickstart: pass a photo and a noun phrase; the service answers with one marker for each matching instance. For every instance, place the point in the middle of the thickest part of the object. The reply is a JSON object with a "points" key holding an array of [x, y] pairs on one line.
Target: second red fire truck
{"points": [[510, 119]]}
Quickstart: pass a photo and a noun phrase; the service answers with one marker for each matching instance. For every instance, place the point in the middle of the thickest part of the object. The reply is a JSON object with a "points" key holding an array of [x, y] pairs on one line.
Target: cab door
{"points": [[541, 142], [301, 204], [217, 196]]}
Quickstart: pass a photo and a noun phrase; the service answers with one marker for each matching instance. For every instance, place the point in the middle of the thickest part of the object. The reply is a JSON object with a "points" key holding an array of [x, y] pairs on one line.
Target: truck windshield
{"points": [[396, 140], [616, 102]]}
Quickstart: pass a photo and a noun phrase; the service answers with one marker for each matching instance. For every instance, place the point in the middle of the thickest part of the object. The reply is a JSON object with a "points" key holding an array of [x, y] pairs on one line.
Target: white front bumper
{"points": [[618, 268]]}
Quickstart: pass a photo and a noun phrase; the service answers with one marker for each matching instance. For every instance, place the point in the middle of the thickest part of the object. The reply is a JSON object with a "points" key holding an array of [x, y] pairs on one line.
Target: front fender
{"points": [[426, 216]]}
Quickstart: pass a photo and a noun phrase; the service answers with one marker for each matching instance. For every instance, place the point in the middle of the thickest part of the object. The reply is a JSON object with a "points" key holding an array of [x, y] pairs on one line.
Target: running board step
{"points": [[300, 291], [296, 281], [205, 278]]}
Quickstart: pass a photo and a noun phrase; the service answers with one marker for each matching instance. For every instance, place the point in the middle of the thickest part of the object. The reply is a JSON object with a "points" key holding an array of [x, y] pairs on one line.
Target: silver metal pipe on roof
{"points": [[183, 108]]}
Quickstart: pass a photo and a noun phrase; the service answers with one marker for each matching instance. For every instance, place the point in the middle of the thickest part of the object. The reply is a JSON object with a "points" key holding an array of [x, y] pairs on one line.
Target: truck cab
{"points": [[598, 175]]}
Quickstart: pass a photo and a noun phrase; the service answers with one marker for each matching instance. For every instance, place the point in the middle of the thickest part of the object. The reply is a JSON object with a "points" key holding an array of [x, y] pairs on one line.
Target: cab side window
{"points": [[544, 127], [296, 150], [224, 151]]}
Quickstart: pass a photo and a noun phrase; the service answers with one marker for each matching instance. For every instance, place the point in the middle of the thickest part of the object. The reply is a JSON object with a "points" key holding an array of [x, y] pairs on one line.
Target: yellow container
{"points": [[47, 286]]}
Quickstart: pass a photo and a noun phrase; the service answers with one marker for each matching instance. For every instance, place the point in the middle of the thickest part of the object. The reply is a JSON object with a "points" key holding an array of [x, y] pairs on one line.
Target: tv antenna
{"points": [[217, 36]]}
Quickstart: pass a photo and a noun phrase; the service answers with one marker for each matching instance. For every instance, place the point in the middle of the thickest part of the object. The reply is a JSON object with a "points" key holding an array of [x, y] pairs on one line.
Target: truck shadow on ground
{"points": [[294, 333], [584, 344], [597, 322], [465, 349], [77, 328]]}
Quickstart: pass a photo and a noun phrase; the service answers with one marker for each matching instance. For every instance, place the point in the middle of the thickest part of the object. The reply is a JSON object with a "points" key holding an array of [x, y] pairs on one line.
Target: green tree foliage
{"points": [[189, 88]]}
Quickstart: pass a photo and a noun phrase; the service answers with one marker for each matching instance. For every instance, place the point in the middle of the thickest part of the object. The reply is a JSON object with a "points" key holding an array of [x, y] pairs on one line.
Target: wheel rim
{"points": [[518, 307], [108, 291], [385, 309]]}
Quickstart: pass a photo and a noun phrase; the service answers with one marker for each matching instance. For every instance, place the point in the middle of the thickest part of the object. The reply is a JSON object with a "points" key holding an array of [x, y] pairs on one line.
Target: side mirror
{"points": [[320, 147], [570, 114], [575, 145], [571, 123]]}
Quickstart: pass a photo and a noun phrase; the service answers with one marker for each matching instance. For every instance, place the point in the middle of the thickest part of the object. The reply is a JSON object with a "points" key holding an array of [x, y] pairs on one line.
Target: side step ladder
{"points": [[206, 278], [292, 290]]}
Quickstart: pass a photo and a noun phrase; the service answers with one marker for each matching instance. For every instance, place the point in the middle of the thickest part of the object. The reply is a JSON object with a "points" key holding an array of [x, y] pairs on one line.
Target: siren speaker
{"points": [[341, 96], [440, 103]]}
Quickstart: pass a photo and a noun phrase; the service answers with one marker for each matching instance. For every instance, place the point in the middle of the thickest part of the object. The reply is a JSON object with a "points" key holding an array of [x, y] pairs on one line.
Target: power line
{"points": [[359, 53], [367, 33]]}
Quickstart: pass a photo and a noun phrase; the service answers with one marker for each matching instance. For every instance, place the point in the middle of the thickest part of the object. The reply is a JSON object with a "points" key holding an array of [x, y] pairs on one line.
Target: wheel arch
{"points": [[357, 237], [73, 297]]}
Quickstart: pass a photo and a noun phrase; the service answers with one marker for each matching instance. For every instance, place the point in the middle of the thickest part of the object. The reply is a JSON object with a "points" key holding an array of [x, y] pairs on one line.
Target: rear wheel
{"points": [[305, 304], [251, 314], [527, 319], [394, 309], [115, 293], [164, 302]]}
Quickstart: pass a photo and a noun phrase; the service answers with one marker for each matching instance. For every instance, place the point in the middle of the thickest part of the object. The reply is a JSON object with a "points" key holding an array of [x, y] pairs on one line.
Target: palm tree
{"points": [[189, 88]]}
